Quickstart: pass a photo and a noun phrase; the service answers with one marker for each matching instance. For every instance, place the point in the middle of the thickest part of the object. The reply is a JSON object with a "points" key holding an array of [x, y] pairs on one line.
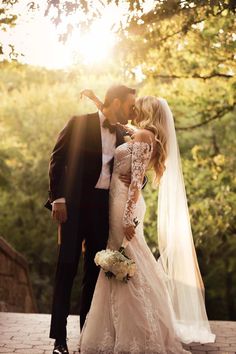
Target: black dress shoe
{"points": [[60, 349]]}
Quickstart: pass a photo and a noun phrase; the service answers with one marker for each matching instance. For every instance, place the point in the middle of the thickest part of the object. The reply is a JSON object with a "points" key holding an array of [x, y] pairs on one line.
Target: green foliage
{"points": [[212, 201], [8, 19], [139, 12]]}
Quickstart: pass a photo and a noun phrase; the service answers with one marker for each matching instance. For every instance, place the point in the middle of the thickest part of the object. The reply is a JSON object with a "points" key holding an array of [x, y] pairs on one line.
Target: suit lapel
{"points": [[94, 138], [119, 141], [94, 135], [119, 137]]}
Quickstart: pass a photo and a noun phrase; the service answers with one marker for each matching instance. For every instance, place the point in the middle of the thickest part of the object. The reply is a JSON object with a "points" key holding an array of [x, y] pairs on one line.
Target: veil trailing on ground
{"points": [[178, 261]]}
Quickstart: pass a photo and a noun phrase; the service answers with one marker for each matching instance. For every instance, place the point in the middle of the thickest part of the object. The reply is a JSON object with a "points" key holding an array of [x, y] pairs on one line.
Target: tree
{"points": [[173, 43], [7, 19], [10, 12]]}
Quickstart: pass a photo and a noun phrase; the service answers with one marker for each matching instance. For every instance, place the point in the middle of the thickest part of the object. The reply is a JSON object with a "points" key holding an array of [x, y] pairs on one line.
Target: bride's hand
{"points": [[88, 93], [129, 232], [126, 128], [91, 95]]}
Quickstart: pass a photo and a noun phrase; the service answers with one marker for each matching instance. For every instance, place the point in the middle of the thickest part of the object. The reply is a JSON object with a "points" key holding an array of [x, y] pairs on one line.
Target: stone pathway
{"points": [[28, 334]]}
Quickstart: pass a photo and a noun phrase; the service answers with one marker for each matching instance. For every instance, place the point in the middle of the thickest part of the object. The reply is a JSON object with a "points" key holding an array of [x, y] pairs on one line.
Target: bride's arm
{"points": [[141, 155], [91, 95]]}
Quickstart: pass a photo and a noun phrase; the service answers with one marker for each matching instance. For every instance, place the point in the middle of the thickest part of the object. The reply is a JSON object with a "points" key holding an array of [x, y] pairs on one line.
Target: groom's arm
{"points": [[126, 179], [58, 162]]}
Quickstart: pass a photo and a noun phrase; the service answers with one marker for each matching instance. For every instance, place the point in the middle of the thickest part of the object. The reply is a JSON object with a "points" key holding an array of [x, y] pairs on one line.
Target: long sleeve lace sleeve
{"points": [[141, 155]]}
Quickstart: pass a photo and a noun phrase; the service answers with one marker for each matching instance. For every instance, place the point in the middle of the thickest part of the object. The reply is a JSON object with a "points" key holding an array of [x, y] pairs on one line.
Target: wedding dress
{"points": [[133, 317]]}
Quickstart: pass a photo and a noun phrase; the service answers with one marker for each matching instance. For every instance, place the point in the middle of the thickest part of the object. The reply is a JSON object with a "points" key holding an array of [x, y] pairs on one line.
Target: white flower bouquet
{"points": [[116, 263]]}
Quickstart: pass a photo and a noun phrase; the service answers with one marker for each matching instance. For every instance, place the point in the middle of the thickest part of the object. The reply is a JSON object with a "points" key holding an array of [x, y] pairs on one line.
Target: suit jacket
{"points": [[76, 160]]}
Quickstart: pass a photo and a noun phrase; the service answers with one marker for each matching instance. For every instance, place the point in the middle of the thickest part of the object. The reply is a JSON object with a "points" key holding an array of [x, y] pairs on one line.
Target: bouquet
{"points": [[116, 263]]}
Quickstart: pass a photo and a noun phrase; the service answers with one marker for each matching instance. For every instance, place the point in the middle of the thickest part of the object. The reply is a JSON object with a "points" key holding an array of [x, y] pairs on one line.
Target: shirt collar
{"points": [[102, 117]]}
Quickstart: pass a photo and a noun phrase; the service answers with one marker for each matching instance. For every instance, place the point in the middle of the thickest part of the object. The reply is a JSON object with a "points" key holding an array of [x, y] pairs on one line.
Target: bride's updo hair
{"points": [[151, 116]]}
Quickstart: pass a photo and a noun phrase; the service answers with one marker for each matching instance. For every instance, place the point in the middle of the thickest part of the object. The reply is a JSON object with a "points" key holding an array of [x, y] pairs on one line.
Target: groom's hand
{"points": [[129, 232], [126, 179], [59, 212]]}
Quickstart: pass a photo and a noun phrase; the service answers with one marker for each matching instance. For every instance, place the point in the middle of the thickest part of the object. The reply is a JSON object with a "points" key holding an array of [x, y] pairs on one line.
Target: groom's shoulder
{"points": [[82, 117]]}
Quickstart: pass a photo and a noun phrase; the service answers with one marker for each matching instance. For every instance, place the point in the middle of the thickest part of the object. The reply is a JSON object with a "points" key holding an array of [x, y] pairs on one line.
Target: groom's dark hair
{"points": [[119, 91]]}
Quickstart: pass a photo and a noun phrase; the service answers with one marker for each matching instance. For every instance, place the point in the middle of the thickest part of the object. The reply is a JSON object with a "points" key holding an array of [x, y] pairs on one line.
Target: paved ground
{"points": [[28, 334]]}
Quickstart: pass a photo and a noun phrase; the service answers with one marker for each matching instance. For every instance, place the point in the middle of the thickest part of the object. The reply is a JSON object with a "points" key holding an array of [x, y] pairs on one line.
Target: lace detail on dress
{"points": [[141, 155], [102, 351], [108, 341]]}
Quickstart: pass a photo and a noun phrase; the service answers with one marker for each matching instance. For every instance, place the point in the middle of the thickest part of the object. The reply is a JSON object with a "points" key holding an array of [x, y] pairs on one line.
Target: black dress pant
{"points": [[90, 222]]}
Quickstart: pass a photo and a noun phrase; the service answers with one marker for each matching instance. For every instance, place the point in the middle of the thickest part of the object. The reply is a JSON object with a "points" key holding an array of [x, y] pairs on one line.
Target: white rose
{"points": [[132, 270], [116, 267], [120, 276]]}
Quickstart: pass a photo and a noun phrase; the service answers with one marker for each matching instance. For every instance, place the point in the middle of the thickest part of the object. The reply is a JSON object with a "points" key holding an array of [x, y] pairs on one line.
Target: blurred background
{"points": [[181, 50]]}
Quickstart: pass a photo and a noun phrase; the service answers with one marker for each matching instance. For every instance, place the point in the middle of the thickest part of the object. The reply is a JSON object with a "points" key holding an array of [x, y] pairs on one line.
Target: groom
{"points": [[79, 178]]}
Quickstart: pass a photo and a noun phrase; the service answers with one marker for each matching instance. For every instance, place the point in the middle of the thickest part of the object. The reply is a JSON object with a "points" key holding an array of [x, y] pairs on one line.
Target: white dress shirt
{"points": [[108, 151]]}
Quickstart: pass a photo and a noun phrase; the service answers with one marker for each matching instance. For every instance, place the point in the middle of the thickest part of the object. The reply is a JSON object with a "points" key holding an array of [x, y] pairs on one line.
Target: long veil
{"points": [[178, 260]]}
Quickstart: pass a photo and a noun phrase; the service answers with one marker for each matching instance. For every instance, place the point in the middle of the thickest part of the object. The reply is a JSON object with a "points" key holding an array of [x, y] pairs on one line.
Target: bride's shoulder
{"points": [[143, 135]]}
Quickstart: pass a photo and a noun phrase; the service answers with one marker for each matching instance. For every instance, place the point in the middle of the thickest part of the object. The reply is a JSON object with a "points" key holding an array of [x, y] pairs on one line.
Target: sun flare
{"points": [[96, 45], [38, 39]]}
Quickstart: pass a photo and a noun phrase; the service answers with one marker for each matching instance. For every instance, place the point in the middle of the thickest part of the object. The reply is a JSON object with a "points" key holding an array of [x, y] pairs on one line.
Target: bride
{"points": [[162, 305]]}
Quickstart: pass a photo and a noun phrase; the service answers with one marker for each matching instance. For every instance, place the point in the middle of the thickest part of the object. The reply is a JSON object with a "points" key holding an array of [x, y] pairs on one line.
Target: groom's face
{"points": [[125, 110]]}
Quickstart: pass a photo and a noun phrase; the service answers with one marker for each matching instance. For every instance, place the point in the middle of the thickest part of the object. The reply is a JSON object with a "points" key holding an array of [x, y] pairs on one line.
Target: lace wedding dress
{"points": [[133, 317]]}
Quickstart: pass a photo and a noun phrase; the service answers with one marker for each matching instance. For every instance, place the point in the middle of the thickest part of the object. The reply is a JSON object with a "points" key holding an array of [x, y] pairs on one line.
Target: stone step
{"points": [[28, 334]]}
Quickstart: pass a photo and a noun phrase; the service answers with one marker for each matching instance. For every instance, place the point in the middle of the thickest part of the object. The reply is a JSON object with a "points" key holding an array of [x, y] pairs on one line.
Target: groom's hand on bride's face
{"points": [[59, 212], [126, 179]]}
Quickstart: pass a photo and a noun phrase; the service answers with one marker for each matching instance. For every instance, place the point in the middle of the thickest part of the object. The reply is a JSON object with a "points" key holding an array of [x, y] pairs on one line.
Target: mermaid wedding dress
{"points": [[133, 317]]}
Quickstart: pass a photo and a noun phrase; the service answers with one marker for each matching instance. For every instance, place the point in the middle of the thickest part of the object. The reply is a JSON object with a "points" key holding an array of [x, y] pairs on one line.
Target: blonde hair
{"points": [[151, 116]]}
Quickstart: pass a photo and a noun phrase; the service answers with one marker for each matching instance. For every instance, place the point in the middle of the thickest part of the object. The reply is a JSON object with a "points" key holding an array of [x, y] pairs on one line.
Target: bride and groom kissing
{"points": [[95, 195]]}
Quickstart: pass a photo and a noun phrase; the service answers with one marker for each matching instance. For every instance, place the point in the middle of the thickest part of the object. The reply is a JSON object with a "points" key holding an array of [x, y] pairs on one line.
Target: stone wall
{"points": [[15, 288]]}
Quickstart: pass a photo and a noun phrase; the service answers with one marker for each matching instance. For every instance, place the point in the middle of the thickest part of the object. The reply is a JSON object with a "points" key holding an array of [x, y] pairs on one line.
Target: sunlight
{"points": [[35, 39], [96, 45], [38, 39]]}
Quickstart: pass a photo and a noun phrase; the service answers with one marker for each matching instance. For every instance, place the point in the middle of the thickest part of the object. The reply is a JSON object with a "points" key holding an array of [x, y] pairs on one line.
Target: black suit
{"points": [[74, 170]]}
